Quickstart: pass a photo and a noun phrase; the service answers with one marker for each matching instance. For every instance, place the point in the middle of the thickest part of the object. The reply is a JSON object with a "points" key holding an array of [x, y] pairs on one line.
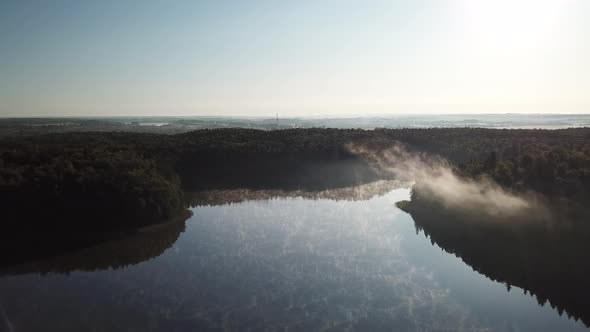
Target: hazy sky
{"points": [[320, 57]]}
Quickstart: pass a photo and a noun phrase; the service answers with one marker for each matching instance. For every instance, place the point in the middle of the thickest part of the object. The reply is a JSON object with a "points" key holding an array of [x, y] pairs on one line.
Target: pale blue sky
{"points": [[293, 57]]}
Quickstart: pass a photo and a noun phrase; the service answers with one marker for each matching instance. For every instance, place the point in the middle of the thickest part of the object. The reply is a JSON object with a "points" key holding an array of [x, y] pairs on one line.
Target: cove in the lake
{"points": [[336, 259]]}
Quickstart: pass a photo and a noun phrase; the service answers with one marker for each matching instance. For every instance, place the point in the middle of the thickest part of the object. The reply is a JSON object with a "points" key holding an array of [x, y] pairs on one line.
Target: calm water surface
{"points": [[272, 263]]}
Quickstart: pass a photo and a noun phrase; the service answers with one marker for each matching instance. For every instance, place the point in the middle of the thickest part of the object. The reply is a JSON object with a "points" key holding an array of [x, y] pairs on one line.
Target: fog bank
{"points": [[435, 176]]}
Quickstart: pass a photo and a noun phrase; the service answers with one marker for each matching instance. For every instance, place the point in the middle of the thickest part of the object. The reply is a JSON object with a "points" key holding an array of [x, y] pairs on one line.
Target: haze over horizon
{"points": [[306, 58]]}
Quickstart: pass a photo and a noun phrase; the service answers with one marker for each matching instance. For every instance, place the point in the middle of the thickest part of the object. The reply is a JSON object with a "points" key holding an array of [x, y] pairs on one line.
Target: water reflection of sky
{"points": [[282, 263]]}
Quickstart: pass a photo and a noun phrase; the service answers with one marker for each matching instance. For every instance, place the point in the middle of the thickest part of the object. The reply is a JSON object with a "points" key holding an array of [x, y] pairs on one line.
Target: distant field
{"points": [[174, 125]]}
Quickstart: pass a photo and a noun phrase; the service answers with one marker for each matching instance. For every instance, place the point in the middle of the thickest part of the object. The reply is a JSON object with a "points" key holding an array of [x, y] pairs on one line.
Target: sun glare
{"points": [[513, 24]]}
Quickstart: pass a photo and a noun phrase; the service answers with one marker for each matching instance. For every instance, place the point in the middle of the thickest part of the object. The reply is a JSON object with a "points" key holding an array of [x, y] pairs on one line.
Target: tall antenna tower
{"points": [[277, 120]]}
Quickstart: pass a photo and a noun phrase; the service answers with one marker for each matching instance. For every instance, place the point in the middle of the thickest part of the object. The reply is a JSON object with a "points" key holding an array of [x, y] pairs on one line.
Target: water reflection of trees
{"points": [[547, 259], [119, 252], [353, 193], [93, 250]]}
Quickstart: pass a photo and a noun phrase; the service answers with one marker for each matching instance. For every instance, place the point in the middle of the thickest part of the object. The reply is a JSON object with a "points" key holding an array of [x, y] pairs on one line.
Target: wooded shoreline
{"points": [[92, 180]]}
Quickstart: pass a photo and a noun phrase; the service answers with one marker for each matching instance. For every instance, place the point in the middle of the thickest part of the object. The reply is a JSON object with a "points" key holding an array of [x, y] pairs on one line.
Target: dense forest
{"points": [[90, 180], [553, 162]]}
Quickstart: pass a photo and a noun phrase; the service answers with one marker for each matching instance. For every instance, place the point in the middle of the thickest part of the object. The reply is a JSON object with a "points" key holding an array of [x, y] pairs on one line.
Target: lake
{"points": [[344, 259]]}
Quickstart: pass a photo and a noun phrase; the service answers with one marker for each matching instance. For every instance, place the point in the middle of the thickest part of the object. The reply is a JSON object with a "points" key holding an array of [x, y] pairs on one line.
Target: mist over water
{"points": [[435, 177]]}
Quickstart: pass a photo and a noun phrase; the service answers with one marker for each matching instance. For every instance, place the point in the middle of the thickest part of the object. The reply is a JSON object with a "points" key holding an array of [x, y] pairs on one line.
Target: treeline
{"points": [[71, 186], [132, 178], [553, 162], [101, 181]]}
